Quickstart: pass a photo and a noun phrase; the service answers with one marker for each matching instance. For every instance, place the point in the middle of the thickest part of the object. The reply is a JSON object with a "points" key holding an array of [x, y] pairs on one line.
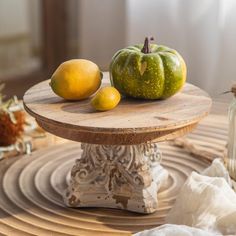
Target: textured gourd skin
{"points": [[156, 75]]}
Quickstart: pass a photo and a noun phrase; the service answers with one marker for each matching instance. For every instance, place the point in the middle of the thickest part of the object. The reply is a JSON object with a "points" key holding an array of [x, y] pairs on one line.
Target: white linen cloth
{"points": [[206, 201], [174, 230]]}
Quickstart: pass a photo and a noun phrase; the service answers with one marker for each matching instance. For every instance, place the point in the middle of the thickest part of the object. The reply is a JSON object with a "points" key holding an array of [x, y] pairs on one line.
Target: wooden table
{"points": [[31, 187], [120, 164]]}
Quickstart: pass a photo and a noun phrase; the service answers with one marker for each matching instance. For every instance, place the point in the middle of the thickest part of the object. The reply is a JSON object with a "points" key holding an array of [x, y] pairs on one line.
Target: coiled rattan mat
{"points": [[31, 187]]}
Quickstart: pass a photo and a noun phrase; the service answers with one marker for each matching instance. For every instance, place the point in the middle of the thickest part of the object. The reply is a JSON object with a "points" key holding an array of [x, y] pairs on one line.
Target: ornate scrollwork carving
{"points": [[122, 171]]}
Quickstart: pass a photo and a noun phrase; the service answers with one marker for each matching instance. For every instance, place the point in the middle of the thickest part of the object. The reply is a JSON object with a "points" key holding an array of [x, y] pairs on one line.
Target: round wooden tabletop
{"points": [[133, 121]]}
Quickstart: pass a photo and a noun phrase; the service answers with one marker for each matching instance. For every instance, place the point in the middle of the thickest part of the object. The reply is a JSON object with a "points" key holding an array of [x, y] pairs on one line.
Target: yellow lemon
{"points": [[76, 79], [106, 99]]}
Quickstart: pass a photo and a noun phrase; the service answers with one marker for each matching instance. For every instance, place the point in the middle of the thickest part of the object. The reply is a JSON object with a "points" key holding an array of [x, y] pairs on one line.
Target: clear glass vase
{"points": [[231, 155]]}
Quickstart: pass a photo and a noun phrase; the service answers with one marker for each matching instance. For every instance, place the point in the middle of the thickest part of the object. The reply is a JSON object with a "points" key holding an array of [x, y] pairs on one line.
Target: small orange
{"points": [[106, 99]]}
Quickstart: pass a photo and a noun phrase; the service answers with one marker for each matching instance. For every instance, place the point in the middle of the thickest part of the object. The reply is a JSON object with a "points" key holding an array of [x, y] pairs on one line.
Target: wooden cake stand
{"points": [[120, 163]]}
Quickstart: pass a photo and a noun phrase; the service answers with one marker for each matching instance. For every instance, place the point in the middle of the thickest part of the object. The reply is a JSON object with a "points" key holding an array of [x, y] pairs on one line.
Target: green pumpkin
{"points": [[148, 71]]}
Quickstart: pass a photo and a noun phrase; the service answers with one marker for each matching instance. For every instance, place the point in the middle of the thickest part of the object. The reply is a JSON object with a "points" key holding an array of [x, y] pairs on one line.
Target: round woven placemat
{"points": [[31, 187]]}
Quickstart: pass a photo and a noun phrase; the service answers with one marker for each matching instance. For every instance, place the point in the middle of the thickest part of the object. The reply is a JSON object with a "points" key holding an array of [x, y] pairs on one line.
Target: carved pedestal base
{"points": [[125, 177]]}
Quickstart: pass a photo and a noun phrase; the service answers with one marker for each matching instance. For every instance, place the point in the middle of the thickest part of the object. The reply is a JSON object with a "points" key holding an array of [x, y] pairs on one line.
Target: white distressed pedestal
{"points": [[120, 164], [126, 177]]}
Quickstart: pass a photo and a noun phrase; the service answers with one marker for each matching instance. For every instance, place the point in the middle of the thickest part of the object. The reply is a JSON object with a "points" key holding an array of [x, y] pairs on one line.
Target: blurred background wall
{"points": [[37, 35], [18, 25]]}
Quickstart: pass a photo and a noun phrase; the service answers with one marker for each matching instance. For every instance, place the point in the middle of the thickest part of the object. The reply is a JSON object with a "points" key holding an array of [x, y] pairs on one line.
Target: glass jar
{"points": [[231, 155]]}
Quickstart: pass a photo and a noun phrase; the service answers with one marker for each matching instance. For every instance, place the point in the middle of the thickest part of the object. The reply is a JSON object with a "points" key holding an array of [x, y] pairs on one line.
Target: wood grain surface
{"points": [[31, 187], [131, 122]]}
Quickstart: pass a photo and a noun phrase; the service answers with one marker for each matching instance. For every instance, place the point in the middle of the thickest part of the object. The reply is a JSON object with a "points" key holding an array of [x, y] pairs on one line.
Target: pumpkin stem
{"points": [[146, 46]]}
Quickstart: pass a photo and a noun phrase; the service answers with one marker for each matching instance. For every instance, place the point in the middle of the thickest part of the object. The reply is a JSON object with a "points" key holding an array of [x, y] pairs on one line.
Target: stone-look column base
{"points": [[124, 177]]}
